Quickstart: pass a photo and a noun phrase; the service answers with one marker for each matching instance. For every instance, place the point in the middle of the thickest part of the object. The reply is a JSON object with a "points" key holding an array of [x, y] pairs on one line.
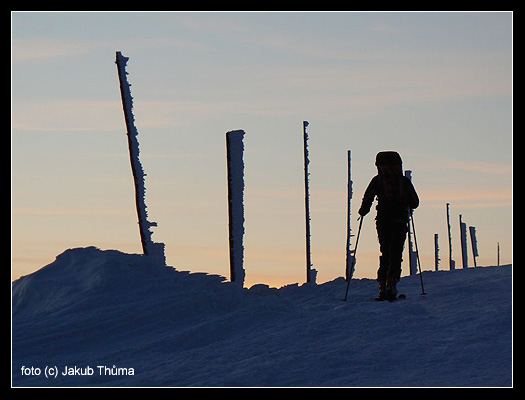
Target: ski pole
{"points": [[417, 253], [353, 257]]}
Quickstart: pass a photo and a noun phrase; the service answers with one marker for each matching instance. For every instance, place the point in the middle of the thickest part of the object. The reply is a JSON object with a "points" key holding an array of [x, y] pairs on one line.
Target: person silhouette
{"points": [[396, 198]]}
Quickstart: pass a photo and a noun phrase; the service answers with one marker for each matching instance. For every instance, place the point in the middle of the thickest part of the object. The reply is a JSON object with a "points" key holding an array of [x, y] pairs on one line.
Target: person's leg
{"points": [[397, 237], [398, 234], [383, 235]]}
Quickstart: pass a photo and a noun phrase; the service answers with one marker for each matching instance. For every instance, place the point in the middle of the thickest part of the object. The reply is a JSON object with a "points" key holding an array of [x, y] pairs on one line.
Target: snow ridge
{"points": [[93, 307]]}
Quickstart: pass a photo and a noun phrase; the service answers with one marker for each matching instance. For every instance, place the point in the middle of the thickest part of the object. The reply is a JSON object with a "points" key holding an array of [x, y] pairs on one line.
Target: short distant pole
{"points": [[436, 252], [463, 237], [474, 243]]}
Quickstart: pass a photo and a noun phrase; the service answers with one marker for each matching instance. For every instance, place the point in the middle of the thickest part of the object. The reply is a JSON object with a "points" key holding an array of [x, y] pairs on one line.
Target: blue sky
{"points": [[437, 87]]}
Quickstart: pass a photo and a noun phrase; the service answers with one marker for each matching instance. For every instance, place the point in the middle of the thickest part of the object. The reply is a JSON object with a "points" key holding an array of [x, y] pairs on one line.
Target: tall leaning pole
{"points": [[149, 248]]}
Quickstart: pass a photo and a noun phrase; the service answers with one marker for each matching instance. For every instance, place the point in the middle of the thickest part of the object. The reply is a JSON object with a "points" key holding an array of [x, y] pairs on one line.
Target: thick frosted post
{"points": [[234, 155]]}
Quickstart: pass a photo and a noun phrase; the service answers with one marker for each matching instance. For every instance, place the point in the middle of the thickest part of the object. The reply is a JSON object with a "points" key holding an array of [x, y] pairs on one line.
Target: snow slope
{"points": [[92, 308]]}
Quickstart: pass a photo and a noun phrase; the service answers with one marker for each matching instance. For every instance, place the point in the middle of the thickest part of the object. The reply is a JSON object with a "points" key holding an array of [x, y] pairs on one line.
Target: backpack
{"points": [[391, 183]]}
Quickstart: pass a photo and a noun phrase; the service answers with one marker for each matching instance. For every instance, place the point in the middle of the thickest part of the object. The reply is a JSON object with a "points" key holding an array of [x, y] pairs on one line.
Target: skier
{"points": [[396, 198]]}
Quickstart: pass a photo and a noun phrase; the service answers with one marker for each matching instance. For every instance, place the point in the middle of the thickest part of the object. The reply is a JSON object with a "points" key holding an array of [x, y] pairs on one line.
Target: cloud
{"points": [[483, 167], [61, 116], [71, 211], [465, 198], [428, 162], [469, 184], [210, 23], [103, 115], [31, 49]]}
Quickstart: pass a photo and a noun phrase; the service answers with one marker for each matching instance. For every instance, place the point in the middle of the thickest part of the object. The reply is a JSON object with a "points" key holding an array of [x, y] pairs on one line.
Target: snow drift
{"points": [[105, 318]]}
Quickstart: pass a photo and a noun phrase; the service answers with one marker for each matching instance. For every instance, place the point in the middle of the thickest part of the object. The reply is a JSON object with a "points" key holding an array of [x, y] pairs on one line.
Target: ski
{"points": [[398, 297]]}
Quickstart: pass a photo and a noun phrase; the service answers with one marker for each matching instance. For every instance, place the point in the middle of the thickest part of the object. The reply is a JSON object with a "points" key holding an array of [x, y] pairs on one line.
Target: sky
{"points": [[434, 86]]}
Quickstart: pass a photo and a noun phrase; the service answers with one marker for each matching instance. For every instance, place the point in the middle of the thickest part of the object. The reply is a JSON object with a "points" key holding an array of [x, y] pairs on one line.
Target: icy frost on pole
{"points": [[234, 155], [452, 263], [463, 237], [148, 246], [474, 243], [412, 254], [350, 265], [436, 252], [311, 273]]}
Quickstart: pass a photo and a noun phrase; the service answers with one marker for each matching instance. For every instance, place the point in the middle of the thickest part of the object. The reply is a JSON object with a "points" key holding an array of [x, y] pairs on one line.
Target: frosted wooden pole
{"points": [[148, 246], [349, 253], [310, 274], [463, 237], [412, 255], [451, 262], [436, 252], [474, 243], [235, 163]]}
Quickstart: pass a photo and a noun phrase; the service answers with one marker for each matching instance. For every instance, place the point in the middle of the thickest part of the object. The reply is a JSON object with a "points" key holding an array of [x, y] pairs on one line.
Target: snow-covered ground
{"points": [[121, 321]]}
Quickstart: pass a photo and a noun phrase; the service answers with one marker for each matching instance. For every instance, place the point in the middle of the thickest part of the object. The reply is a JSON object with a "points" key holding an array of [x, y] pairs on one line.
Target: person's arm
{"points": [[411, 197], [368, 197]]}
